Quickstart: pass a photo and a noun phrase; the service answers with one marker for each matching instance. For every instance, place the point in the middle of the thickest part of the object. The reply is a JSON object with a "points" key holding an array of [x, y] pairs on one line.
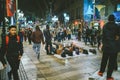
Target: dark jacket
{"points": [[118, 41], [37, 37], [110, 31], [47, 36], [14, 47]]}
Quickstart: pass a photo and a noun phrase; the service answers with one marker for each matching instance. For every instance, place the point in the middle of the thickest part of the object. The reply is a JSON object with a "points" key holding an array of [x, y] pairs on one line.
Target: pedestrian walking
{"points": [[37, 38], [93, 36], [110, 31], [13, 52], [87, 35], [21, 34], [25, 35], [29, 33], [48, 40]]}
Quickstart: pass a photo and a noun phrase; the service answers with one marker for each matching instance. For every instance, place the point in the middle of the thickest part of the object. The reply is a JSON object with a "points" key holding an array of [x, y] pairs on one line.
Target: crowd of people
{"points": [[109, 37]]}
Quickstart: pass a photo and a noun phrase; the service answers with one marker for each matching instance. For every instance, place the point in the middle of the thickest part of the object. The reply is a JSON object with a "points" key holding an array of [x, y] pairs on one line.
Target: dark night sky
{"points": [[38, 6], [31, 6]]}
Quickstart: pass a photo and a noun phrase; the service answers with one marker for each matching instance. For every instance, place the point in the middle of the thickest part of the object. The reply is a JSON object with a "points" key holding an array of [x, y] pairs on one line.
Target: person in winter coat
{"points": [[110, 33], [37, 38], [13, 50]]}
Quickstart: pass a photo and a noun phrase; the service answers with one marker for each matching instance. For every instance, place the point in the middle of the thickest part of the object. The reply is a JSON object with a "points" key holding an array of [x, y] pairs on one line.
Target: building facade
{"points": [[78, 9]]}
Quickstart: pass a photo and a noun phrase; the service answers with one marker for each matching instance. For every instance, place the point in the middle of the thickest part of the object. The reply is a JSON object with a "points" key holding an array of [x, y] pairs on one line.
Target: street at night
{"points": [[60, 39]]}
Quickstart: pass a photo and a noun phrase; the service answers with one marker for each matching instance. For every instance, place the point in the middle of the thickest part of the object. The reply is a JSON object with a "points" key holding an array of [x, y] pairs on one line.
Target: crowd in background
{"points": [[89, 35]]}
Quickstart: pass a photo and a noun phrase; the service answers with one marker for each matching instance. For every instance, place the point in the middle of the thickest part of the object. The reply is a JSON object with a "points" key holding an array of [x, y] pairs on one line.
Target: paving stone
{"points": [[49, 67]]}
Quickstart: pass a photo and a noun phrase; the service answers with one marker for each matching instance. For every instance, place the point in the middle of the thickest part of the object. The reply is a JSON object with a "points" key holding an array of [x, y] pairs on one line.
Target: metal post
{"points": [[17, 16], [3, 23], [2, 72]]}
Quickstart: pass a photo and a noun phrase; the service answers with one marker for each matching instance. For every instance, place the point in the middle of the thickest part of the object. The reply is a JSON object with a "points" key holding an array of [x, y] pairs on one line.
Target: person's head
{"points": [[12, 30], [37, 28], [111, 17]]}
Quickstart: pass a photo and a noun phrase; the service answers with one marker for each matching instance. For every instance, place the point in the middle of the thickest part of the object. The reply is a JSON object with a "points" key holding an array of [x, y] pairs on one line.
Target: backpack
{"points": [[7, 39]]}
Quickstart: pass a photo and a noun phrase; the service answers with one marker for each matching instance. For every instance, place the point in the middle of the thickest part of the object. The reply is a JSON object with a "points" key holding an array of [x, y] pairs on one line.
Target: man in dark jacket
{"points": [[48, 40], [110, 31]]}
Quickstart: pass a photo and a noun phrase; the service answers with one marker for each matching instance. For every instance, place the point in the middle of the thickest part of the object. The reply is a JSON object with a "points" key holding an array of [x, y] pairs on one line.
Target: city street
{"points": [[73, 35], [49, 67]]}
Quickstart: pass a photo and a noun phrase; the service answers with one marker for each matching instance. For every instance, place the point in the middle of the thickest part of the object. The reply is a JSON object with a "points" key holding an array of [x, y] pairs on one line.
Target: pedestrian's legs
{"points": [[111, 64], [29, 40], [91, 42], [98, 44], [15, 74], [104, 62], [51, 48], [46, 48], [34, 47], [25, 38], [14, 64], [116, 65], [38, 50], [85, 40]]}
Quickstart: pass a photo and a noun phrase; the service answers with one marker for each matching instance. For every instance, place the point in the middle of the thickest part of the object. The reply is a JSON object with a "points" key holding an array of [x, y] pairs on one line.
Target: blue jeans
{"points": [[36, 48]]}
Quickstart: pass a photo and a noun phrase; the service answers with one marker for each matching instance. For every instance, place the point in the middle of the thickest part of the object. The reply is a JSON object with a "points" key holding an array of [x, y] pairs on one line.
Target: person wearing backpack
{"points": [[13, 50]]}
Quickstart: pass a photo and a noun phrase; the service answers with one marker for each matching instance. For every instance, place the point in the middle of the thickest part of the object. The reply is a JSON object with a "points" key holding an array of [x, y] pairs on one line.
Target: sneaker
{"points": [[100, 73], [111, 78]]}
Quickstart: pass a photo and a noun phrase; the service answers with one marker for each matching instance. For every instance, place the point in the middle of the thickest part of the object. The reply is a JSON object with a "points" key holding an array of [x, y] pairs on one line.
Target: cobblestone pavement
{"points": [[49, 67]]}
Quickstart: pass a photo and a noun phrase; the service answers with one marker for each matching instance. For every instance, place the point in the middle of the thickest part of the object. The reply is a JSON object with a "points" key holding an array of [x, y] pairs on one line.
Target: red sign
{"points": [[11, 7]]}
